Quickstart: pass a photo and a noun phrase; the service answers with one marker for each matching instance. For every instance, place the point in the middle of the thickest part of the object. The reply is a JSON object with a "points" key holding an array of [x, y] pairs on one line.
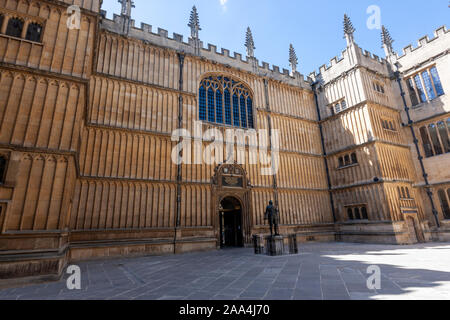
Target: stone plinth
{"points": [[276, 245]]}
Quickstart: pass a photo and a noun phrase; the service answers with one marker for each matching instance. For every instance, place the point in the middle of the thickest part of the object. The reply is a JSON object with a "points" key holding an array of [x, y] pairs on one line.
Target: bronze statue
{"points": [[272, 215]]}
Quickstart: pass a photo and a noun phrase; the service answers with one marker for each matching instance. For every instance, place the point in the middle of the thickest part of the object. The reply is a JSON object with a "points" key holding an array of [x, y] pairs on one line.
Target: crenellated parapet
{"points": [[426, 49], [176, 42]]}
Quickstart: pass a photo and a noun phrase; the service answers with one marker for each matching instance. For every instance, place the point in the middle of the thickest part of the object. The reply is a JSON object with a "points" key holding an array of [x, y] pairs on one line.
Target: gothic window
{"points": [[435, 139], [419, 87], [15, 27], [337, 108], [350, 214], [442, 128], [425, 86], [412, 92], [343, 105], [202, 103], [2, 18], [428, 85], [408, 194], [347, 160], [426, 142], [223, 100], [357, 213], [365, 216], [436, 81], [3, 164], [444, 199], [34, 32]]}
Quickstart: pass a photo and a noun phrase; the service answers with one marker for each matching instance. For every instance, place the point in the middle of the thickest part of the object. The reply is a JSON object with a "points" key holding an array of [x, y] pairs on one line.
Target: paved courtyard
{"points": [[321, 271]]}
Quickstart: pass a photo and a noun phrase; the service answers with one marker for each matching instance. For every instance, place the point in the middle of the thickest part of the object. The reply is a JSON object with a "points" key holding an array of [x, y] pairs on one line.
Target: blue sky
{"points": [[314, 27]]}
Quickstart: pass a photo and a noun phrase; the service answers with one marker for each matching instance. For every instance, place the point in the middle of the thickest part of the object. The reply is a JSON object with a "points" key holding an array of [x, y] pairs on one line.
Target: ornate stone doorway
{"points": [[230, 216], [231, 201]]}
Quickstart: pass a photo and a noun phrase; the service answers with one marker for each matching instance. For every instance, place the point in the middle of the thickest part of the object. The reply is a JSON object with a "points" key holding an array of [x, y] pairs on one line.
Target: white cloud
{"points": [[223, 3]]}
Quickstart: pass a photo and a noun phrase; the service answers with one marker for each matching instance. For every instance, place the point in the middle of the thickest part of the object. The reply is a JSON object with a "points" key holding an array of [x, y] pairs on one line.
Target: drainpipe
{"points": [[179, 168], [416, 143], [324, 151]]}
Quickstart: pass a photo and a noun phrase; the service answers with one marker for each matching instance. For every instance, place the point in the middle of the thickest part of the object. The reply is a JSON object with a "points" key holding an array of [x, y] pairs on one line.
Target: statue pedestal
{"points": [[275, 245]]}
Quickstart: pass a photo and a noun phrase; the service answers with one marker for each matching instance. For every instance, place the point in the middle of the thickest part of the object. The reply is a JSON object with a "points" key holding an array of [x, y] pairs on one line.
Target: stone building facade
{"points": [[88, 111]]}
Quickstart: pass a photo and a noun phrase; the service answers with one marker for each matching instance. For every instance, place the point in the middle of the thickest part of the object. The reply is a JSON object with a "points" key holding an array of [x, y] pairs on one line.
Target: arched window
{"points": [[2, 18], [343, 105], [408, 194], [337, 108], [444, 203], [365, 216], [34, 32], [357, 214], [432, 129], [341, 162], [15, 27], [350, 214], [347, 160], [224, 100], [2, 169], [354, 158]]}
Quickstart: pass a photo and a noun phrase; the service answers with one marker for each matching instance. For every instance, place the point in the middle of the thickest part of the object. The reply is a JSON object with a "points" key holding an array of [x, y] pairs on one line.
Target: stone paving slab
{"points": [[324, 271]]}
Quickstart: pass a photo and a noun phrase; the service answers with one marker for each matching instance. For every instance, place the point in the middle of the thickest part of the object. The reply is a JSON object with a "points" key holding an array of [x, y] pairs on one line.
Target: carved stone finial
{"points": [[194, 23], [387, 41], [249, 43], [349, 30], [127, 5], [293, 60]]}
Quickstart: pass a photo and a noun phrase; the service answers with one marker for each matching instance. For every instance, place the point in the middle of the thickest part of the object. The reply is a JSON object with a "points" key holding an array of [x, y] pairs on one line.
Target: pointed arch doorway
{"points": [[232, 206]]}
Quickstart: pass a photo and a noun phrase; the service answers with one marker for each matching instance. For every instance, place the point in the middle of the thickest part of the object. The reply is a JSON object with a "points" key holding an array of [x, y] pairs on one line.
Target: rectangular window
{"points": [[227, 108], [236, 121], [202, 103], [444, 203], [444, 136], [211, 107], [412, 92], [419, 87], [426, 142], [434, 138], [428, 85], [436, 81]]}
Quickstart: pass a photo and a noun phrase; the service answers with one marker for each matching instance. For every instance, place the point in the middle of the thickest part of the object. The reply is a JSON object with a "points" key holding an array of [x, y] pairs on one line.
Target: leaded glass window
{"points": [[419, 87], [224, 100], [412, 93], [436, 81], [428, 85], [227, 107], [202, 103], [444, 203], [434, 139]]}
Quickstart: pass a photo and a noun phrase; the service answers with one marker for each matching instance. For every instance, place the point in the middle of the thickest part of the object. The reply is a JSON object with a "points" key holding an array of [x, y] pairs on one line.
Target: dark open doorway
{"points": [[231, 223]]}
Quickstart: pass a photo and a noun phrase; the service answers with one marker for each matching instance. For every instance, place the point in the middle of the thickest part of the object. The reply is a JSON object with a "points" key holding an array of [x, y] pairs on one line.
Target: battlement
{"points": [[440, 34], [176, 42], [351, 57]]}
